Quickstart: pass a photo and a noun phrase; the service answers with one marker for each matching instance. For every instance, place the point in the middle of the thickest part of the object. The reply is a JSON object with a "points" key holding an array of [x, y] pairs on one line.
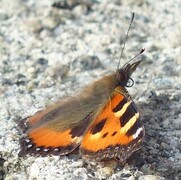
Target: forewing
{"points": [[115, 132]]}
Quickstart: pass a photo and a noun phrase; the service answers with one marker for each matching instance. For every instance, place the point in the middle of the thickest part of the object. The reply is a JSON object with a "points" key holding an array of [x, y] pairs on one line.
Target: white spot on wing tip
{"points": [[37, 149], [137, 133], [30, 145], [46, 150], [27, 140]]}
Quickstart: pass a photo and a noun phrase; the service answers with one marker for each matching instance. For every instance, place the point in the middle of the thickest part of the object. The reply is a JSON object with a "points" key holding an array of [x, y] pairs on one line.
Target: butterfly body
{"points": [[103, 120]]}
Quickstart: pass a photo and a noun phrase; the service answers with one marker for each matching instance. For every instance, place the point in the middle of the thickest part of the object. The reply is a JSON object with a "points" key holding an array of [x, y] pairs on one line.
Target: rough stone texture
{"points": [[47, 53]]}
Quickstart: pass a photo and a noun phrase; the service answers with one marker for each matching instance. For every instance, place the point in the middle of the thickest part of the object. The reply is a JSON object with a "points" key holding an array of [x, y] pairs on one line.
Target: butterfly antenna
{"points": [[132, 18]]}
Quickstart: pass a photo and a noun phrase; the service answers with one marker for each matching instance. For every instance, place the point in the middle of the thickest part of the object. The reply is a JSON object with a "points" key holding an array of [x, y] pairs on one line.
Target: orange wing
{"points": [[115, 132], [43, 140]]}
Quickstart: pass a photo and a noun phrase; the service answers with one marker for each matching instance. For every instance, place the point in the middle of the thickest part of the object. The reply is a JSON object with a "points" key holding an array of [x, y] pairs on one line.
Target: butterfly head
{"points": [[123, 75]]}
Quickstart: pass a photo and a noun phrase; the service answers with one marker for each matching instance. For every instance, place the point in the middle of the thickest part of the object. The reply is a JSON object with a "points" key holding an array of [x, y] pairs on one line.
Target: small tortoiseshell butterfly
{"points": [[102, 121]]}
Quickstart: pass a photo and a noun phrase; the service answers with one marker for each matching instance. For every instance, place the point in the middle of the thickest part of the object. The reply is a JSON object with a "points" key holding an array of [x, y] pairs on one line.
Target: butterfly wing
{"points": [[59, 128], [115, 132], [45, 134]]}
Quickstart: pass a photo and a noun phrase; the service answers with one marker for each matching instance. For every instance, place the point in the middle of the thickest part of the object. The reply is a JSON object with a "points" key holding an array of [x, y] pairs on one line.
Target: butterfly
{"points": [[102, 121]]}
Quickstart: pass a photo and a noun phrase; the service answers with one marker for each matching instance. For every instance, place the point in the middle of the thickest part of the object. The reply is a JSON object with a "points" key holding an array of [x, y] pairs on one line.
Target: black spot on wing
{"points": [[99, 126], [129, 113], [120, 105], [114, 133], [134, 128], [105, 135], [78, 130]]}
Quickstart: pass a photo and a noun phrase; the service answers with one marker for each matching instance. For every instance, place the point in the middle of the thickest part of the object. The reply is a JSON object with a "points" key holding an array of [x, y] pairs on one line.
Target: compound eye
{"points": [[130, 82]]}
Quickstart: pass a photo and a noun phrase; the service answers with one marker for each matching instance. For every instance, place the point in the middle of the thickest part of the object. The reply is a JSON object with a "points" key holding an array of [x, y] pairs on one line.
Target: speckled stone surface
{"points": [[47, 53]]}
